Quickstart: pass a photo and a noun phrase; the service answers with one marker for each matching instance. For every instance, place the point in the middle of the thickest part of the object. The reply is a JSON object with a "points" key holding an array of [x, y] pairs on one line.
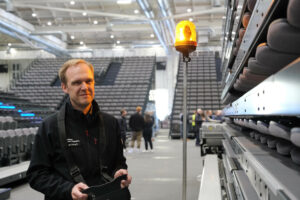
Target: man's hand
{"points": [[76, 192], [124, 183]]}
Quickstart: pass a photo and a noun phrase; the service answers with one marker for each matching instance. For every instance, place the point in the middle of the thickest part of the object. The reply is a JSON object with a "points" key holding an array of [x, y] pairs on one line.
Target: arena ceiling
{"points": [[97, 24]]}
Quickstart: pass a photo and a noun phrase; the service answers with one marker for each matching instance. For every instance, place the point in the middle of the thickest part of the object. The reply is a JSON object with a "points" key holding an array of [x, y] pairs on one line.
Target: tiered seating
{"points": [[130, 89], [16, 112], [203, 89], [113, 98], [135, 70], [44, 95], [16, 140], [7, 122], [36, 83], [16, 145]]}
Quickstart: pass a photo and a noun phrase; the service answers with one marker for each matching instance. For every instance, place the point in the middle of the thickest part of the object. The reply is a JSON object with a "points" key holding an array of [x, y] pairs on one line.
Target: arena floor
{"points": [[156, 175]]}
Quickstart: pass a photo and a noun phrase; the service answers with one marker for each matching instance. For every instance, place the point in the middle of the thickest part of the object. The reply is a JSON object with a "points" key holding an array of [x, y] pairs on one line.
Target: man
{"points": [[194, 122], [136, 123], [208, 115], [218, 118], [198, 120], [181, 124], [92, 141], [123, 127]]}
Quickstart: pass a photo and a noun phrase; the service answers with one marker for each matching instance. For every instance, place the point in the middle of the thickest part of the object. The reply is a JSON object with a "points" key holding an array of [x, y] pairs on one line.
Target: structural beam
{"points": [[89, 12], [20, 29], [197, 13], [155, 24]]}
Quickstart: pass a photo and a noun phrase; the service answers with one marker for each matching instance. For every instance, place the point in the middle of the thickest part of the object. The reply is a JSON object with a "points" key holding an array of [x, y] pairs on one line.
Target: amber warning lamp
{"points": [[185, 38]]}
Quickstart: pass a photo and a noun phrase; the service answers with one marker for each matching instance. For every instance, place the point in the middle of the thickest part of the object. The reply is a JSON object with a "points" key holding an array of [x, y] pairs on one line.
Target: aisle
{"points": [[158, 175]]}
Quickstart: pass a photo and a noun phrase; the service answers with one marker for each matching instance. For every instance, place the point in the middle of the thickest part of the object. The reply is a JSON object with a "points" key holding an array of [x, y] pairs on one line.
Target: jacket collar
{"points": [[78, 115]]}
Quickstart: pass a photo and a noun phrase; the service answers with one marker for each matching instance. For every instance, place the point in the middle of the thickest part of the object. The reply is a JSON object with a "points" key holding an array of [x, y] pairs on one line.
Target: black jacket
{"points": [[148, 129], [136, 122], [198, 120], [48, 171], [123, 125]]}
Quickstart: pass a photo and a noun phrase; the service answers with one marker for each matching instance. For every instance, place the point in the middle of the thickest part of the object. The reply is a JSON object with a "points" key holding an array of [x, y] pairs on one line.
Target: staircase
{"points": [[110, 75]]}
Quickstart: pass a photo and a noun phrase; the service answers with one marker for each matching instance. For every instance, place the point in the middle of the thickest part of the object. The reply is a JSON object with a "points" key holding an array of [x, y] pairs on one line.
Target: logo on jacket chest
{"points": [[72, 143]]}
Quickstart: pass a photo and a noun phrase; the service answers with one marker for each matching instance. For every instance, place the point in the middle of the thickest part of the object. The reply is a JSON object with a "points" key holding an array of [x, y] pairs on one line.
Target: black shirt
{"points": [[136, 122]]}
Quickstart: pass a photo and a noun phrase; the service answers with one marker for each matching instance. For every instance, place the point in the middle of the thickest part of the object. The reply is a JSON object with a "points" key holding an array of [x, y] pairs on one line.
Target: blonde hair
{"points": [[70, 63], [138, 108]]}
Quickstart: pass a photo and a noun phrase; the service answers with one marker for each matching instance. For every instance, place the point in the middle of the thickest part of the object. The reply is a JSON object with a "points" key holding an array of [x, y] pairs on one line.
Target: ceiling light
{"points": [[49, 23], [152, 35], [118, 42], [191, 19], [81, 42], [72, 37], [72, 2], [112, 36], [95, 22], [189, 10], [111, 24], [9, 44], [124, 2], [136, 11], [84, 14], [33, 14]]}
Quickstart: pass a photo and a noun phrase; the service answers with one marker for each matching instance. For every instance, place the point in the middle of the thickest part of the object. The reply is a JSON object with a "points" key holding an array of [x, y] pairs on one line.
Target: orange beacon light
{"points": [[185, 41]]}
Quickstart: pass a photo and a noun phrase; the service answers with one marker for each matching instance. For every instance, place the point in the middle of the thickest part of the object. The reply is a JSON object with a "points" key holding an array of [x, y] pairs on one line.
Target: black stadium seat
{"points": [[272, 141], [270, 58], [284, 147], [257, 68], [293, 14], [295, 136], [279, 130], [295, 155], [284, 37]]}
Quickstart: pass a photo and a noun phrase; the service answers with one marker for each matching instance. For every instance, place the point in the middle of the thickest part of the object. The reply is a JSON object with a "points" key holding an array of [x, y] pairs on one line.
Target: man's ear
{"points": [[64, 88]]}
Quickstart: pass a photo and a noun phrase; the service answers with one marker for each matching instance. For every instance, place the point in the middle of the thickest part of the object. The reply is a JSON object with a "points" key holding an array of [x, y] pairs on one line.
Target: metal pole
{"points": [[184, 154]]}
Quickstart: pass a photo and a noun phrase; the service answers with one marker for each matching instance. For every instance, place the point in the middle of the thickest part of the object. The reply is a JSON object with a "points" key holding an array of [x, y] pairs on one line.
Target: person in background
{"points": [[181, 124], [123, 127], [147, 133], [194, 122], [208, 115], [154, 127], [200, 118], [86, 130], [218, 117], [136, 123]]}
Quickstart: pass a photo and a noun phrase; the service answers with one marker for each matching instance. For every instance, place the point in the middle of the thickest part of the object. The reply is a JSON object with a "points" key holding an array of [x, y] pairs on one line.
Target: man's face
{"points": [[80, 85]]}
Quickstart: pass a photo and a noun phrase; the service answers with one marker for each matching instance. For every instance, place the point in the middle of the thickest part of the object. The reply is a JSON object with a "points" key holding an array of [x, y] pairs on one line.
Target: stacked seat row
{"points": [[203, 89], [16, 145]]}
